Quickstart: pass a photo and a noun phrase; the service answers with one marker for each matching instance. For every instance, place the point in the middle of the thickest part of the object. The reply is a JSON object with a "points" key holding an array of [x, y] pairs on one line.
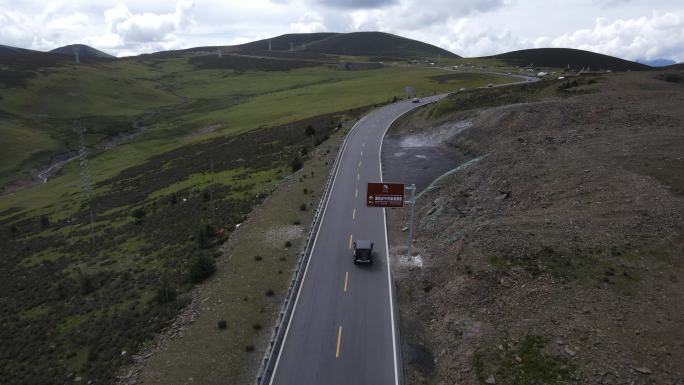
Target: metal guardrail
{"points": [[275, 344]]}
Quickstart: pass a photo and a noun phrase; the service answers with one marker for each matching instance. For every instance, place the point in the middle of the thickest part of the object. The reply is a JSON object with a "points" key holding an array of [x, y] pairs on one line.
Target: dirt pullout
{"points": [[557, 256]]}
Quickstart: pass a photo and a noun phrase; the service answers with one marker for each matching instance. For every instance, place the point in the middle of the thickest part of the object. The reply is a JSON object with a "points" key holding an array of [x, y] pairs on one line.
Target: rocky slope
{"points": [[555, 255]]}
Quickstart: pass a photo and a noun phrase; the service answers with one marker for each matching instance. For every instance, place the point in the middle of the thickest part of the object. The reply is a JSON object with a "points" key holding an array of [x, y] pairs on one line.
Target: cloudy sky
{"points": [[631, 29]]}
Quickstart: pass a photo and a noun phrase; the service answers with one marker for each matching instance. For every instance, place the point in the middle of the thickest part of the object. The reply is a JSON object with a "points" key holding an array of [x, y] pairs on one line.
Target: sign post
{"points": [[411, 188], [387, 195]]}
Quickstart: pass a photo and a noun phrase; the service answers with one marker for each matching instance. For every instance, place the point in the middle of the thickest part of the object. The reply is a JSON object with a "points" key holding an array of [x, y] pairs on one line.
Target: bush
{"points": [[14, 230], [256, 326], [296, 164], [310, 131], [222, 324], [44, 221], [288, 243], [249, 348], [203, 239], [257, 258], [202, 268], [306, 191], [165, 293], [296, 223], [303, 207], [86, 284], [138, 213], [270, 293]]}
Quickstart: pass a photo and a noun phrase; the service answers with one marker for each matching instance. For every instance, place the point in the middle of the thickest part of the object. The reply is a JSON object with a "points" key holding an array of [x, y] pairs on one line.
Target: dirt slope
{"points": [[555, 256]]}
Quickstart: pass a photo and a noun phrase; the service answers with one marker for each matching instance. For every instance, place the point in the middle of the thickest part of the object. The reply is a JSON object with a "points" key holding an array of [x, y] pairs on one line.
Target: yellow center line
{"points": [[339, 340], [354, 214], [346, 278]]}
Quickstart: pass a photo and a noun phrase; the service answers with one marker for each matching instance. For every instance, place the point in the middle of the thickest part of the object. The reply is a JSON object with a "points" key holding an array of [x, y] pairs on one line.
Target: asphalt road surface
{"points": [[342, 330]]}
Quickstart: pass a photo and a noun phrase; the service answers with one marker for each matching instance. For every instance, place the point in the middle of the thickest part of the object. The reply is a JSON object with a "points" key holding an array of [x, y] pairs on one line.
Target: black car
{"points": [[363, 251]]}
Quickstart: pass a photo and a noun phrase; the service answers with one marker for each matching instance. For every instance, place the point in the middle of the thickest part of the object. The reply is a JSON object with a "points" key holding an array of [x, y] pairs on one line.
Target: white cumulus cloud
{"points": [[660, 35]]}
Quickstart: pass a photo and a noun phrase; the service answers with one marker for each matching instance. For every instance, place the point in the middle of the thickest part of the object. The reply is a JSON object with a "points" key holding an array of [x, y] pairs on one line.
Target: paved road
{"points": [[342, 328]]}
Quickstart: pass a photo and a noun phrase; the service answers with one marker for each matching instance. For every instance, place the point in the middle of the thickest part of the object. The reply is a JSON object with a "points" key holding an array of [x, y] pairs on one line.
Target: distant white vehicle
{"points": [[461, 89], [416, 100], [561, 77], [490, 85], [542, 74]]}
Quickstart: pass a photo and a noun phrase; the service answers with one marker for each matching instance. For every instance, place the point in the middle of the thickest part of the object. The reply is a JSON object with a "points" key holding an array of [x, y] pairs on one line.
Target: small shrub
{"points": [[302, 207], [202, 268], [304, 151], [174, 199], [283, 258], [44, 221], [270, 293], [256, 326], [249, 348], [306, 191], [296, 164], [138, 214], [222, 324], [288, 243], [14, 230], [165, 293], [257, 258], [206, 196], [86, 284], [309, 131], [296, 223], [203, 239]]}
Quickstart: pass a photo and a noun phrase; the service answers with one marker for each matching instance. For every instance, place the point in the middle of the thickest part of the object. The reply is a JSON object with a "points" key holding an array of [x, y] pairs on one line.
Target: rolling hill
{"points": [[678, 66], [282, 42], [8, 49], [83, 51], [568, 58], [375, 44]]}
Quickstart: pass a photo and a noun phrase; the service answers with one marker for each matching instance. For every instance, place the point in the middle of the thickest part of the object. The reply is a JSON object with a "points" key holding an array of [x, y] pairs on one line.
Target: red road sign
{"points": [[385, 195]]}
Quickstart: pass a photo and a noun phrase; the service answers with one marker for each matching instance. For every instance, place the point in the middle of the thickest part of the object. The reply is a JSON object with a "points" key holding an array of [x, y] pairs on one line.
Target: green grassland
{"points": [[74, 300]]}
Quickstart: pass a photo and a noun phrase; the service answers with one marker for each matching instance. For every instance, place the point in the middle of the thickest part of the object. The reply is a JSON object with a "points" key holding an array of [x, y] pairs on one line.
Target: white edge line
{"points": [[384, 219], [313, 247]]}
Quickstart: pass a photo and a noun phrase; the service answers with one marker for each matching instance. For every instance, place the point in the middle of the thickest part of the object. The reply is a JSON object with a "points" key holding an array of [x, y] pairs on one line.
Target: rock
{"points": [[643, 370], [490, 379], [78, 379], [518, 359], [559, 342], [404, 228], [569, 351]]}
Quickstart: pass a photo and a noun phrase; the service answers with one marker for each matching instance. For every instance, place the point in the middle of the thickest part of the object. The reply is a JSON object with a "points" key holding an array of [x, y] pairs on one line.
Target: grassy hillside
{"points": [[156, 128], [376, 44], [83, 51], [284, 42], [566, 57]]}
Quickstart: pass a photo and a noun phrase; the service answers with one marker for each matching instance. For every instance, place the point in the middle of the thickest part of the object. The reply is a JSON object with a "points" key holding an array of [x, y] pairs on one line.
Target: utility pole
{"points": [[412, 202], [86, 182], [211, 195]]}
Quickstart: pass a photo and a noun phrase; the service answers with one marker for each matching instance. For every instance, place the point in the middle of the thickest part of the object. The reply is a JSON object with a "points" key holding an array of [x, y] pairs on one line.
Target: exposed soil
{"points": [[555, 255]]}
